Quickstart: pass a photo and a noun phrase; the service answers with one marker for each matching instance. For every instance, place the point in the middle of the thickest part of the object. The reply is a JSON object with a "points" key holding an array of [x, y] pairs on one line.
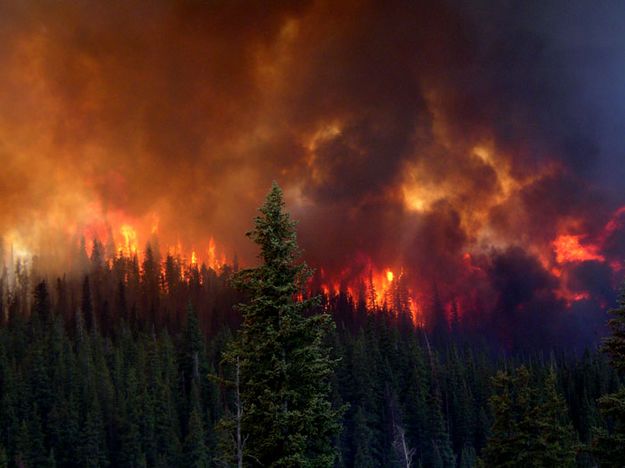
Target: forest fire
{"points": [[471, 289], [568, 248], [456, 189], [378, 290], [126, 244], [312, 233]]}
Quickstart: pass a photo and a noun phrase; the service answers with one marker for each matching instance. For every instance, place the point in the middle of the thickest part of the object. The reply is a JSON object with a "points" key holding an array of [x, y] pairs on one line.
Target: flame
{"points": [[155, 224], [569, 248], [215, 259], [129, 235], [380, 289], [126, 244]]}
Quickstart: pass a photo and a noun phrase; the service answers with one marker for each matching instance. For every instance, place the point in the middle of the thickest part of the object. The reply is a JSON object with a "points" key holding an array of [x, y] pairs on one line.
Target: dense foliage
{"points": [[134, 365], [136, 394]]}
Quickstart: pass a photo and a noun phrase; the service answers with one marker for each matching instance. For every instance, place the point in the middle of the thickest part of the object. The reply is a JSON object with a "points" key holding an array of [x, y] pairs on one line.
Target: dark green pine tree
{"points": [[609, 443], [557, 434], [166, 427], [362, 441], [29, 446], [41, 390], [42, 307], [38, 455], [22, 445], [614, 345], [193, 356], [87, 305], [439, 452], [91, 449], [531, 425], [285, 365], [195, 451], [504, 445], [63, 426], [130, 452], [468, 458]]}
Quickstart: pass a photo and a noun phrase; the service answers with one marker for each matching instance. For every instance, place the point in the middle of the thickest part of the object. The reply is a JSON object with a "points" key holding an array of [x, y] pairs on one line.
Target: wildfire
{"points": [[214, 259], [379, 289], [568, 248], [129, 235], [125, 244]]}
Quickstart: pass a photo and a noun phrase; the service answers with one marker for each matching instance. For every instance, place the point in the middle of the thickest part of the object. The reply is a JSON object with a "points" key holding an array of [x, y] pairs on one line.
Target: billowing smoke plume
{"points": [[459, 143]]}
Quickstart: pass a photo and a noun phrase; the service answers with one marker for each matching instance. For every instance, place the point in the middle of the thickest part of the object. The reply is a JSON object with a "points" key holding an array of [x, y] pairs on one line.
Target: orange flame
{"points": [[129, 234], [568, 248], [383, 289]]}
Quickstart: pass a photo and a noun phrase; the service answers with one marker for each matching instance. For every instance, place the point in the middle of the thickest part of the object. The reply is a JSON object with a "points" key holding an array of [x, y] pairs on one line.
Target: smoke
{"points": [[455, 141]]}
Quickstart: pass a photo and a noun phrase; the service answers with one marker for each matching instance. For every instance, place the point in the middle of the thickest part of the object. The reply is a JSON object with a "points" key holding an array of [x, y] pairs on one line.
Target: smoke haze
{"points": [[475, 146]]}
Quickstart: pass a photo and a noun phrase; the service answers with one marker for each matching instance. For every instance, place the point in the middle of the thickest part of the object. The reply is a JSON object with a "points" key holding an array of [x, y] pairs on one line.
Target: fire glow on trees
{"points": [[424, 146]]}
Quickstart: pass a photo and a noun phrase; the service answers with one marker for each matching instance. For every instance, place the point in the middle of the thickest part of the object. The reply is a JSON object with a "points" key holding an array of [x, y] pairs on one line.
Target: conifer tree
{"points": [[91, 449], [193, 350], [439, 452], [165, 427], [195, 451], [87, 305], [530, 429], [64, 431], [557, 432], [614, 345], [41, 306], [130, 452], [284, 367], [362, 439], [22, 445], [609, 443], [467, 457], [38, 455], [41, 389]]}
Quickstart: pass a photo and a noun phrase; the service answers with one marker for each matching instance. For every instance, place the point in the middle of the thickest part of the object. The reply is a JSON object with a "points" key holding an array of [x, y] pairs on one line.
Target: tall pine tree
{"points": [[609, 444], [285, 367]]}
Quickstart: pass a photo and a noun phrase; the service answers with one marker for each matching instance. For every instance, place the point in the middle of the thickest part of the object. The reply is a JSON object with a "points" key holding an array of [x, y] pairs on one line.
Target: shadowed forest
{"points": [[128, 366]]}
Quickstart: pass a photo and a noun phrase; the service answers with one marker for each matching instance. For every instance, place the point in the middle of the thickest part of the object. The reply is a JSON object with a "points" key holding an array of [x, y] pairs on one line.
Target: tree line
{"points": [[132, 366]]}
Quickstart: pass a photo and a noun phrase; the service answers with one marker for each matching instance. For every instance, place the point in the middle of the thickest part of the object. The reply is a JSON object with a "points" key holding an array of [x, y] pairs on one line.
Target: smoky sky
{"points": [[407, 132]]}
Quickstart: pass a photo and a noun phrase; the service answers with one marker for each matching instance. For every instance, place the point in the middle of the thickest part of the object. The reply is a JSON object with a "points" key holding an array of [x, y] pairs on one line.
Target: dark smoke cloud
{"points": [[595, 277], [527, 312]]}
